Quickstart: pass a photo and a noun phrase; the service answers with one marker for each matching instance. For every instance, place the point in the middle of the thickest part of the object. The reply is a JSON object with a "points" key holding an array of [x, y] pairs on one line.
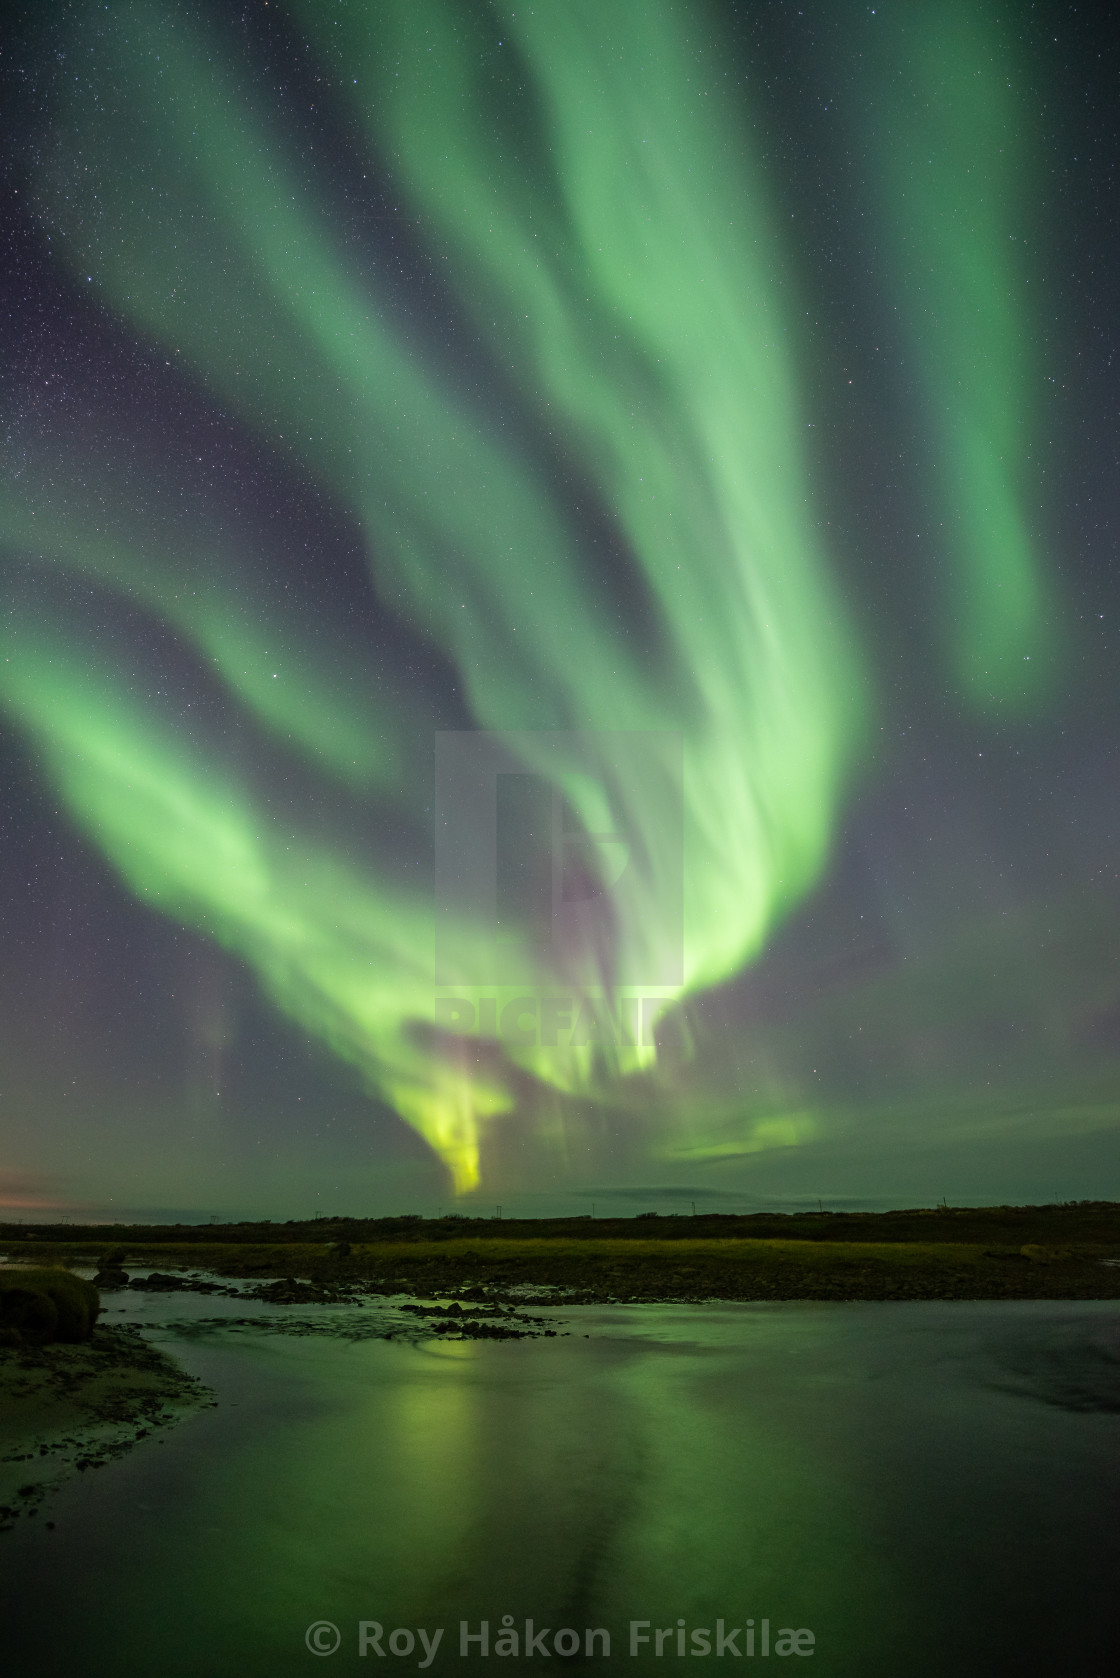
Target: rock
{"points": [[49, 1304], [291, 1292], [111, 1278]]}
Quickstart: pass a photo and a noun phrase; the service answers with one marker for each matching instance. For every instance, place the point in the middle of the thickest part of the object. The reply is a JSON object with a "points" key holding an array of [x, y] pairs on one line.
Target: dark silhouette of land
{"points": [[1066, 1251]]}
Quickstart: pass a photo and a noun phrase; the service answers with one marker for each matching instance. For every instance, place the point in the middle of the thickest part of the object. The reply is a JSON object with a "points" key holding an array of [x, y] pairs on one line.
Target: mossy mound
{"points": [[37, 1306]]}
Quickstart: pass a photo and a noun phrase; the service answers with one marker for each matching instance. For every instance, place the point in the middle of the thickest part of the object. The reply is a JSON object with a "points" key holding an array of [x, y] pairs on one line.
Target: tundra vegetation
{"points": [[1067, 1251], [46, 1303]]}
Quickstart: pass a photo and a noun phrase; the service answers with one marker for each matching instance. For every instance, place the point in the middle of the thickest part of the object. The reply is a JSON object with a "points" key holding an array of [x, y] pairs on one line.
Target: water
{"points": [[930, 1489]]}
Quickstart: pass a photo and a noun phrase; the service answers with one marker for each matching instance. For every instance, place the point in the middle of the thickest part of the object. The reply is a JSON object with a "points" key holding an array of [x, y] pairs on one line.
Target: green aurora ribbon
{"points": [[594, 200]]}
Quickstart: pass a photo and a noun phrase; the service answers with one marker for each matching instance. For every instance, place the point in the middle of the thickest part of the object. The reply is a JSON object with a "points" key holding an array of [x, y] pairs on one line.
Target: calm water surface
{"points": [[932, 1490]]}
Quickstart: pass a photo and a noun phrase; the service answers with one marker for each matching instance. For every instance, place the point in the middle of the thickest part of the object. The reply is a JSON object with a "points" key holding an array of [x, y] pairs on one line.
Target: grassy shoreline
{"points": [[597, 1269], [1067, 1251]]}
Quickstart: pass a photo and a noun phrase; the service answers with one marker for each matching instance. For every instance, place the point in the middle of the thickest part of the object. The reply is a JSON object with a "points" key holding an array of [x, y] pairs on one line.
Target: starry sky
{"points": [[659, 459]]}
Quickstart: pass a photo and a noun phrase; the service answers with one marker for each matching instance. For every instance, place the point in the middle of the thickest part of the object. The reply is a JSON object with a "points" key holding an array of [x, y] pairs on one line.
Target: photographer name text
{"points": [[748, 1639]]}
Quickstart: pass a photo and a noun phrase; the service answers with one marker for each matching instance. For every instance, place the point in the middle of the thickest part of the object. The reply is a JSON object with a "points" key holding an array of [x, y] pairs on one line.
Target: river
{"points": [[867, 1490]]}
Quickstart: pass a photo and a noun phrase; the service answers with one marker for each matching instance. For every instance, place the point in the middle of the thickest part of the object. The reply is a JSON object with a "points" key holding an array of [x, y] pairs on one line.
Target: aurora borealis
{"points": [[732, 382]]}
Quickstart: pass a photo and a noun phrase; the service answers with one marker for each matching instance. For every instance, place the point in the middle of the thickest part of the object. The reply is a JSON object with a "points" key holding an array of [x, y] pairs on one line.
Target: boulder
{"points": [[49, 1304]]}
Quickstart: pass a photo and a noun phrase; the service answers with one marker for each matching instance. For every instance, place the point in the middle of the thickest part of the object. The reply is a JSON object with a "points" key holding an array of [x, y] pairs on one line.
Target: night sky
{"points": [[707, 415]]}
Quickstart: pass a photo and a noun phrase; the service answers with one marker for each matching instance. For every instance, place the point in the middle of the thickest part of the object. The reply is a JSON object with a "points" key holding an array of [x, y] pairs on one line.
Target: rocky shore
{"points": [[71, 1408]]}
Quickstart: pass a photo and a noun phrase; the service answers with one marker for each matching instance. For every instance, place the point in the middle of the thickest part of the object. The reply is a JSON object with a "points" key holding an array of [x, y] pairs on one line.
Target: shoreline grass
{"points": [[735, 1268]]}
